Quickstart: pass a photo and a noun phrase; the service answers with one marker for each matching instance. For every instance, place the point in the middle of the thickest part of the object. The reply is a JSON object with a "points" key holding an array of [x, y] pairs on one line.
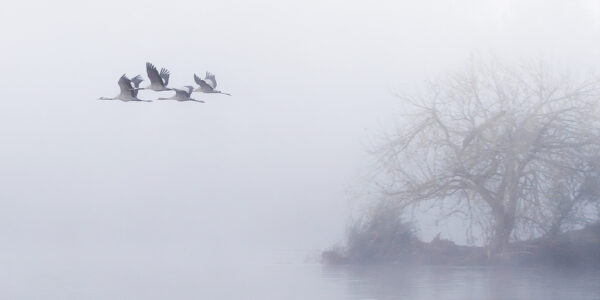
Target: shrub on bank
{"points": [[380, 236]]}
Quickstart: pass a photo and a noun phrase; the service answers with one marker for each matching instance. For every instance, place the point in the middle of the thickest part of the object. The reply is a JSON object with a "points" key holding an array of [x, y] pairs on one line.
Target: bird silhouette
{"points": [[183, 94], [158, 81], [208, 84], [127, 90]]}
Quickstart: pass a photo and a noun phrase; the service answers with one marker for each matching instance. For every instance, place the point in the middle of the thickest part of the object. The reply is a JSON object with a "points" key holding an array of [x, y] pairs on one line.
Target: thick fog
{"points": [[276, 165]]}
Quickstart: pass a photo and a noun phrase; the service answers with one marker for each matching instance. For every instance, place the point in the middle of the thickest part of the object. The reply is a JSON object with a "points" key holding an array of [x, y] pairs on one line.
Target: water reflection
{"points": [[184, 273], [431, 282]]}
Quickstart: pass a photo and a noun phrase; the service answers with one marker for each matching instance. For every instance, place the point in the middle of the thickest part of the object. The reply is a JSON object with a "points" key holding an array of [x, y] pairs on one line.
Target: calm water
{"points": [[130, 273]]}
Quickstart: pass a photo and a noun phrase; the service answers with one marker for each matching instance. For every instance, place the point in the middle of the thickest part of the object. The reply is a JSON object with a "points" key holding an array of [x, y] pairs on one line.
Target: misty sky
{"points": [[270, 167]]}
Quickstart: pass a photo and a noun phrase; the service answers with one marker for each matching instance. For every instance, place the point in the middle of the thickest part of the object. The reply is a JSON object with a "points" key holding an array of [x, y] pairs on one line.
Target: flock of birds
{"points": [[159, 81]]}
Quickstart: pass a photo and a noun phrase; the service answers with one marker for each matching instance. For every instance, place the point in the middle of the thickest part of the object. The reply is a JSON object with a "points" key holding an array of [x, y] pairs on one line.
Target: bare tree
{"points": [[511, 148]]}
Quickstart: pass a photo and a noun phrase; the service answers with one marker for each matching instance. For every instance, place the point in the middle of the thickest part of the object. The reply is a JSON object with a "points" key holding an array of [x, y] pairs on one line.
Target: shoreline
{"points": [[577, 248]]}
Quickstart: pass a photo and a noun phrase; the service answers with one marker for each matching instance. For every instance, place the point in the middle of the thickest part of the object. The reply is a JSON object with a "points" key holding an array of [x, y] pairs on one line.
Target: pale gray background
{"points": [[277, 165]]}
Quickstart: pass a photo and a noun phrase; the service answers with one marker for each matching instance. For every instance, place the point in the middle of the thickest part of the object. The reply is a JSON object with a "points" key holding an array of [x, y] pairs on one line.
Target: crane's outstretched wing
{"points": [[197, 79], [189, 89], [205, 87], [164, 74], [210, 79], [137, 80], [125, 85], [136, 84], [153, 75]]}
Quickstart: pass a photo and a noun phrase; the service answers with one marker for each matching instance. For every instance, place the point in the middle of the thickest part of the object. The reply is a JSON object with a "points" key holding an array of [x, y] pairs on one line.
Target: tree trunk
{"points": [[504, 208], [503, 226]]}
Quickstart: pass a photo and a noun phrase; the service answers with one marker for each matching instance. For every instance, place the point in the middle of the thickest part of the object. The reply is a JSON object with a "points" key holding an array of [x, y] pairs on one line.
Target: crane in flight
{"points": [[208, 84], [128, 93], [158, 81], [183, 94]]}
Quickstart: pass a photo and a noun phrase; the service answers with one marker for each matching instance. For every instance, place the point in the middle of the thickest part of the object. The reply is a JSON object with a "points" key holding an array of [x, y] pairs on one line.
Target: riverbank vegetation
{"points": [[510, 149]]}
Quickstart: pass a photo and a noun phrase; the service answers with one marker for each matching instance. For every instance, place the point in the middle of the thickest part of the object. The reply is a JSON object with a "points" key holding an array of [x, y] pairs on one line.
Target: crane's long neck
{"points": [[161, 98], [106, 98], [222, 93]]}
